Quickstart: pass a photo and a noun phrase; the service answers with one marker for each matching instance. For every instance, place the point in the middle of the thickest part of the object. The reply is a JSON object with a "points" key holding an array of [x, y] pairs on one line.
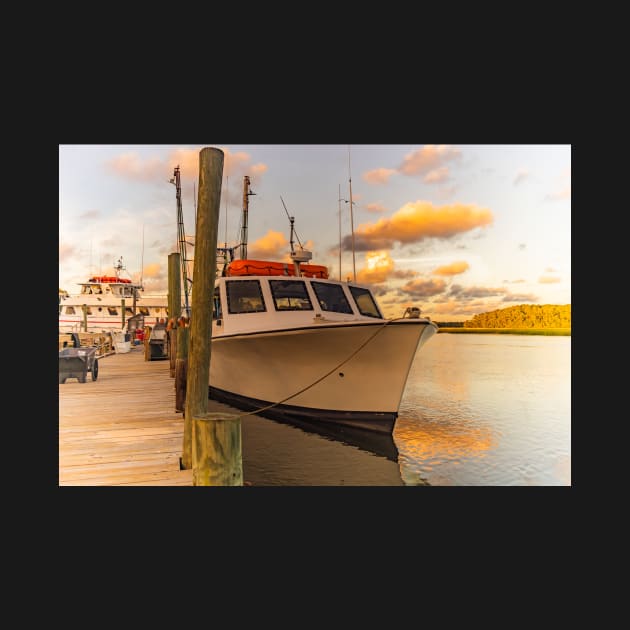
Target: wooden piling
{"points": [[147, 350], [217, 453], [123, 313], [181, 365], [204, 272], [84, 309], [174, 305]]}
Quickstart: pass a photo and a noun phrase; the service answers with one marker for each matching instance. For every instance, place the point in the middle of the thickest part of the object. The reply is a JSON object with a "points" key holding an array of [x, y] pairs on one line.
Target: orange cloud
{"points": [[437, 175], [272, 246], [375, 207], [565, 193], [378, 175], [452, 269], [153, 270], [379, 266], [521, 175], [417, 221], [548, 279], [131, 166], [427, 158]]}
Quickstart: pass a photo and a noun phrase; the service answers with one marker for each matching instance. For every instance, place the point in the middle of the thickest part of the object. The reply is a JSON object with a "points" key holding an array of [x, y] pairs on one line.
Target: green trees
{"points": [[524, 316]]}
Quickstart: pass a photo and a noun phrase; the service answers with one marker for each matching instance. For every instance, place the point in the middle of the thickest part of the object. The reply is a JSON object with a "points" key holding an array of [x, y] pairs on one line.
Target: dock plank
{"points": [[121, 429]]}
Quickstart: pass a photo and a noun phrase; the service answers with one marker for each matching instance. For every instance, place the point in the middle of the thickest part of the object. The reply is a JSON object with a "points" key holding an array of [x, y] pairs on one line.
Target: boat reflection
{"points": [[381, 444]]}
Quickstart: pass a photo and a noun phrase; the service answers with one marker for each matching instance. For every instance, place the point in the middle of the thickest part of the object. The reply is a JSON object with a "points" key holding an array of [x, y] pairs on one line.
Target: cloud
{"points": [[154, 270], [565, 193], [272, 246], [463, 293], [67, 252], [564, 185], [438, 175], [548, 279], [522, 246], [379, 268], [90, 214], [417, 221], [453, 269], [378, 175], [424, 288], [427, 158], [520, 176], [132, 166], [520, 297], [520, 280], [375, 207]]}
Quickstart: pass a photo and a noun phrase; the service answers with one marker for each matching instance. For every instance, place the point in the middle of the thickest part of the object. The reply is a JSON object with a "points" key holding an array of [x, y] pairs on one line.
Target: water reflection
{"points": [[424, 445], [381, 444]]}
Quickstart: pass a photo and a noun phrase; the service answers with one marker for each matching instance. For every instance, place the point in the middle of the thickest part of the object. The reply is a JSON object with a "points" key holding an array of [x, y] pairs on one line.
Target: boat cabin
{"points": [[254, 303], [106, 285]]}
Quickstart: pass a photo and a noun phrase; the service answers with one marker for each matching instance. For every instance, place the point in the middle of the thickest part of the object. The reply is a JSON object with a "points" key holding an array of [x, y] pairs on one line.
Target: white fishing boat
{"points": [[289, 342], [106, 303]]}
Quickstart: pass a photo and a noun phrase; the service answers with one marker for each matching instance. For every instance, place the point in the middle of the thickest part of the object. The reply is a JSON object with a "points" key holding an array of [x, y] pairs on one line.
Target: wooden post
{"points": [[147, 350], [172, 351], [181, 364], [174, 305], [204, 272], [123, 314], [217, 449], [84, 308]]}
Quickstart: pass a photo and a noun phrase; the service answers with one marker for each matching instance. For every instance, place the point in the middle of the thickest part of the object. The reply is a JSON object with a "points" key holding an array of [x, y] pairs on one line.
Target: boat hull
{"points": [[352, 374]]}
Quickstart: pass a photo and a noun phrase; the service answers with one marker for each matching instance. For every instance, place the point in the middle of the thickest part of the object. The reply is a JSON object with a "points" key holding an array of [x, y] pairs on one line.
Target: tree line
{"points": [[524, 316]]}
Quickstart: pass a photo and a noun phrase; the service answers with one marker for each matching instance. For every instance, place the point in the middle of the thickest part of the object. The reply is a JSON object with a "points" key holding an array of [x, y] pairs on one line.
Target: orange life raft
{"points": [[109, 279], [266, 268]]}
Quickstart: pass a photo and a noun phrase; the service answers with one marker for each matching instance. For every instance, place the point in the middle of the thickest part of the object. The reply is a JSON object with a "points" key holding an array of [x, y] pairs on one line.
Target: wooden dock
{"points": [[122, 430]]}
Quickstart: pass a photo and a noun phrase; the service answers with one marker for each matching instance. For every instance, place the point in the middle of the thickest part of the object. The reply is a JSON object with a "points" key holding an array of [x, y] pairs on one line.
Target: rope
{"points": [[319, 380]]}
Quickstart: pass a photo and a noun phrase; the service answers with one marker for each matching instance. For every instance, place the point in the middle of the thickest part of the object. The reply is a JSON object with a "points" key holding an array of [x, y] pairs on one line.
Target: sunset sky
{"points": [[454, 229]]}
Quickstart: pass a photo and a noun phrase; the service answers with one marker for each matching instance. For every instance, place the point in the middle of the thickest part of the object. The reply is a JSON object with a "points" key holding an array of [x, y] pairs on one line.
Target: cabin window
{"points": [[112, 310], [365, 302], [245, 296], [216, 305], [290, 295], [331, 297], [70, 310], [128, 311], [88, 310], [143, 310]]}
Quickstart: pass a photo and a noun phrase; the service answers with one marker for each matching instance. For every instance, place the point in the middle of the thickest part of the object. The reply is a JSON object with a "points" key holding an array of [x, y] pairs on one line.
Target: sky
{"points": [[456, 230]]}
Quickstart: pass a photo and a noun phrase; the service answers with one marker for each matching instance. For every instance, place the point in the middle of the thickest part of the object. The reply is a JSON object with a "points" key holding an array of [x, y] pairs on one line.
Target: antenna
{"points": [[227, 194], [142, 260], [303, 255], [340, 200], [354, 269]]}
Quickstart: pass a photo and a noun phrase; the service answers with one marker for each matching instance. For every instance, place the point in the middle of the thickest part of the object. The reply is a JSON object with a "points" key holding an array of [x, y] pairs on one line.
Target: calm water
{"points": [[487, 410]]}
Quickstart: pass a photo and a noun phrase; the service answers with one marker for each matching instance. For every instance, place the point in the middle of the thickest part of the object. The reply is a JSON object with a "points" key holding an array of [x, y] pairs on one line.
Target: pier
{"points": [[122, 430]]}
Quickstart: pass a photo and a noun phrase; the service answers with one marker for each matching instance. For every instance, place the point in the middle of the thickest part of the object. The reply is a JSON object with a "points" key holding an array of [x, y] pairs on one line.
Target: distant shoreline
{"points": [[508, 331]]}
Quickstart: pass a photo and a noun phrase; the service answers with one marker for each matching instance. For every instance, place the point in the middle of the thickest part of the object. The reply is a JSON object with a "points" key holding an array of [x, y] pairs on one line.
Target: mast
{"points": [[354, 269], [181, 236], [339, 200], [246, 193]]}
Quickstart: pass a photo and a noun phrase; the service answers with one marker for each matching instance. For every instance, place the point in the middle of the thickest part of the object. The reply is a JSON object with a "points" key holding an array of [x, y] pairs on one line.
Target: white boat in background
{"points": [[289, 342], [109, 301]]}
